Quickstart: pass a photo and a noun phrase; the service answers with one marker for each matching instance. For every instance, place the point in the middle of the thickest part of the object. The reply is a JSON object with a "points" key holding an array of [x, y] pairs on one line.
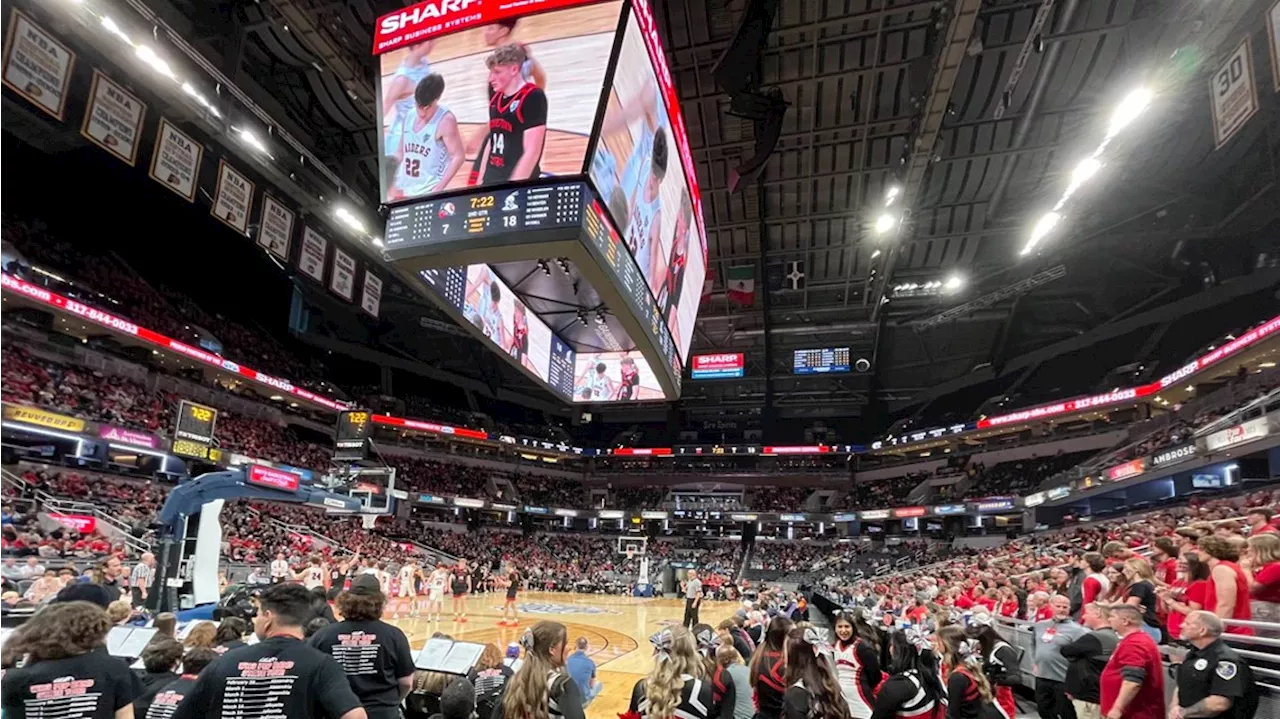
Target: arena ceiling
{"points": [[976, 109]]}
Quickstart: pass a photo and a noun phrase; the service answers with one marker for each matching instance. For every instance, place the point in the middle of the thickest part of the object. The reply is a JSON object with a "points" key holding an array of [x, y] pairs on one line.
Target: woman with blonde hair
{"points": [[969, 693], [66, 643], [542, 688], [677, 685], [1142, 594], [1263, 557]]}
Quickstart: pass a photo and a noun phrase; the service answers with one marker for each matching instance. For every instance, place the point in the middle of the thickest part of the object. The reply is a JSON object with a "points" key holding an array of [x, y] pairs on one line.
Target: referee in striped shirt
{"points": [[144, 572]]}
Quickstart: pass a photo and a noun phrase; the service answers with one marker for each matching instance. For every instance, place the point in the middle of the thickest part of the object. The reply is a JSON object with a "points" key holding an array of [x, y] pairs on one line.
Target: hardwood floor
{"points": [[617, 628]]}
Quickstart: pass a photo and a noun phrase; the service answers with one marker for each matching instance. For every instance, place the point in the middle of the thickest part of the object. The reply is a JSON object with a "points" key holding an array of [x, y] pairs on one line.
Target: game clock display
{"points": [[821, 361], [482, 214], [193, 436]]}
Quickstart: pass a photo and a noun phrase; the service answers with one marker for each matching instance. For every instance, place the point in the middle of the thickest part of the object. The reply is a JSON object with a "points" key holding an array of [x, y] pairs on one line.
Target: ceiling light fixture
{"points": [[1132, 106], [884, 223]]}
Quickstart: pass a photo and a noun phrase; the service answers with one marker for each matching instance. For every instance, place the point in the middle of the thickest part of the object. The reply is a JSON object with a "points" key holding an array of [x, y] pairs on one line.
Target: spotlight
{"points": [[1043, 227], [600, 316], [582, 317], [1133, 105], [1086, 169], [892, 194], [884, 223], [545, 267], [954, 283]]}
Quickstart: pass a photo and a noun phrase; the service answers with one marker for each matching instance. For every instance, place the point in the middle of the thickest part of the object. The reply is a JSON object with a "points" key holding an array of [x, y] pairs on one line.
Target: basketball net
{"points": [[631, 553], [368, 520]]}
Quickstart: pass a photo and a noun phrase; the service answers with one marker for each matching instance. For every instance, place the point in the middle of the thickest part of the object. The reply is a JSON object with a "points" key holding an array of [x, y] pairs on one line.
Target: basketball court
{"points": [[618, 629]]}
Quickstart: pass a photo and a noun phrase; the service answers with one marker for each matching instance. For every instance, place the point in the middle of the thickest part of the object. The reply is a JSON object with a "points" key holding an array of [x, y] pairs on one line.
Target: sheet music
{"points": [[128, 641], [462, 657], [433, 654]]}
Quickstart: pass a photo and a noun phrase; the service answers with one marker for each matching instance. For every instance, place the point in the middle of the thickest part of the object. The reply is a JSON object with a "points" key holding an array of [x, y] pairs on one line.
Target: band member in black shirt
{"points": [[169, 696], [68, 673], [160, 658], [281, 675], [517, 119], [375, 655]]}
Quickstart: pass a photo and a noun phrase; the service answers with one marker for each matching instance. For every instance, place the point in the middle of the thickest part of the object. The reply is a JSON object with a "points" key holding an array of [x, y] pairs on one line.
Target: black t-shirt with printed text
{"points": [[277, 677], [373, 654], [89, 686], [165, 701]]}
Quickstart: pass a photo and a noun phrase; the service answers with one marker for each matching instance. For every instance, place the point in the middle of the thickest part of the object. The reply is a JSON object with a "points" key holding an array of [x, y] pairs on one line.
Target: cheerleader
{"points": [[768, 681], [913, 689], [969, 693], [1000, 663], [723, 690], [677, 684], [812, 689], [857, 663]]}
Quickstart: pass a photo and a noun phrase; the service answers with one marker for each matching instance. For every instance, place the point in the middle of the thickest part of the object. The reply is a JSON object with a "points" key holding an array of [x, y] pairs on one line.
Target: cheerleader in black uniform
{"points": [[768, 678], [812, 689], [1000, 662], [969, 694], [677, 685], [857, 660], [723, 691], [913, 689]]}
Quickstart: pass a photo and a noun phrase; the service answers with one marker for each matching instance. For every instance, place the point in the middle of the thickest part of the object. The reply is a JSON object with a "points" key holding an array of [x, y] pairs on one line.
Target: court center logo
{"points": [[556, 608]]}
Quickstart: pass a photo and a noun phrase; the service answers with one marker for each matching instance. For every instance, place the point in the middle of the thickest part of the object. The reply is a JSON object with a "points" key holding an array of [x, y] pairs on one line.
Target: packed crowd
{"points": [[1018, 477]]}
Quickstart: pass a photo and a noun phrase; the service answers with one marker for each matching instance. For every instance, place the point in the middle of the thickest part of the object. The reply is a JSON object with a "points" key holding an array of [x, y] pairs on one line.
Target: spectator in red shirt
{"points": [[1132, 684], [1230, 583], [1096, 585], [1263, 558], [1164, 560], [1192, 592], [1259, 519]]}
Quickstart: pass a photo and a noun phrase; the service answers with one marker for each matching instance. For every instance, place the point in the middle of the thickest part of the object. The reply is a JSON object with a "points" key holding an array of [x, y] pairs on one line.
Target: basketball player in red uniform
{"points": [[673, 282], [517, 119], [461, 588], [630, 379]]}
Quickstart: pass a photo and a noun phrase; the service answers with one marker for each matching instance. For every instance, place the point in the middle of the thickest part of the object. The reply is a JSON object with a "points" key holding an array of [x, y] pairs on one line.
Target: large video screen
{"points": [[614, 377], [510, 100], [638, 171]]}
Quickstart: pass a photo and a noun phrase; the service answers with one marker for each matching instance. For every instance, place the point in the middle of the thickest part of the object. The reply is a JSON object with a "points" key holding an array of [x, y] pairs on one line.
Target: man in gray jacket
{"points": [[1048, 665], [1088, 656]]}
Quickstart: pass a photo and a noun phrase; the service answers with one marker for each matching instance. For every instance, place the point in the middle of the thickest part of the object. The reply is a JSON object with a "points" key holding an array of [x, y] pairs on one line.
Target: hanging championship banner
{"points": [[371, 298], [275, 227], [175, 161], [233, 198], [1273, 39], [342, 281], [36, 66], [113, 120], [1233, 94], [311, 260]]}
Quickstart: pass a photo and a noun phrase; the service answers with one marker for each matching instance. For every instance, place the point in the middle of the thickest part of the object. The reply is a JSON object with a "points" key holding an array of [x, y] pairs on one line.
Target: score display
{"points": [[821, 361], [351, 438], [481, 214], [193, 436]]}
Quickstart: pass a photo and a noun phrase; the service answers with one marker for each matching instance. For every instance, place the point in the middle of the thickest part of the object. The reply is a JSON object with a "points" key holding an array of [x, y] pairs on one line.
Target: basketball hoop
{"points": [[631, 553], [368, 520]]}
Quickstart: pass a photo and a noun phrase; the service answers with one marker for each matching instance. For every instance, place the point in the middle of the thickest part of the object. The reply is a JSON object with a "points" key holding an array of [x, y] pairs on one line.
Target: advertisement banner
{"points": [[113, 120], [995, 504], [232, 198], [1234, 94], [42, 418], [342, 281], [175, 160], [128, 436], [82, 523], [275, 227], [905, 512], [273, 478], [791, 517], [1173, 455], [469, 503], [1239, 434], [1128, 469], [948, 509], [1059, 493], [311, 259], [874, 514], [1035, 499], [721, 366], [36, 66]]}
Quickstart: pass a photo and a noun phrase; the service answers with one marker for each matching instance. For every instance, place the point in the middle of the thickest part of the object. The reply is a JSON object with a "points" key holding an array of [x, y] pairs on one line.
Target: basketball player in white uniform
{"points": [[398, 96], [407, 573], [430, 150], [313, 575], [435, 590], [595, 385]]}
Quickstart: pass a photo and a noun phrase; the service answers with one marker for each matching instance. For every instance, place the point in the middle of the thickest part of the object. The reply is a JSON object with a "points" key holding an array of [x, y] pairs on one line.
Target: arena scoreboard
{"points": [[571, 157], [193, 436], [351, 438], [821, 361]]}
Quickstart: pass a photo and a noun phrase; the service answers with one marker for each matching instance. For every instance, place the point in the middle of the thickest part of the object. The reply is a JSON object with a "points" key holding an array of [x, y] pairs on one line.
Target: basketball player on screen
{"points": [[517, 120], [630, 379], [594, 384], [520, 334], [430, 151], [399, 95], [673, 277]]}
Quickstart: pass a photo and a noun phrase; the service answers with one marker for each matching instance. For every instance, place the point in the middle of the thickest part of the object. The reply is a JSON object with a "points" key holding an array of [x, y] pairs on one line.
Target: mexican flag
{"points": [[740, 285]]}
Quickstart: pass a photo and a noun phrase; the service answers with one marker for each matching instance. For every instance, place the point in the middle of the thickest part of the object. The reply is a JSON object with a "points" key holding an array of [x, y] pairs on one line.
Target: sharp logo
{"points": [[422, 13]]}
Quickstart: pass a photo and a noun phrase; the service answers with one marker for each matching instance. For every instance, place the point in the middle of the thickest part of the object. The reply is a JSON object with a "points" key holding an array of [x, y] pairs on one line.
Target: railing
{"points": [[70, 506]]}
